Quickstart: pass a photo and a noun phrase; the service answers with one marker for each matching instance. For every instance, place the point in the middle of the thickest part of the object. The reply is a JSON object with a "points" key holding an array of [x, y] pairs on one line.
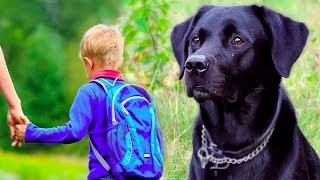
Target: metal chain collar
{"points": [[209, 153]]}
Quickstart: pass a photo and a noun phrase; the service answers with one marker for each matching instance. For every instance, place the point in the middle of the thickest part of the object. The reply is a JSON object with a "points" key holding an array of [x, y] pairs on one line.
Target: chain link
{"points": [[207, 154]]}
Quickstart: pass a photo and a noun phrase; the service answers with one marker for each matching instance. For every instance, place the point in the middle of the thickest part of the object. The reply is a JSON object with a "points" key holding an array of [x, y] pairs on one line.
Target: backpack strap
{"points": [[107, 84], [105, 87], [99, 157]]}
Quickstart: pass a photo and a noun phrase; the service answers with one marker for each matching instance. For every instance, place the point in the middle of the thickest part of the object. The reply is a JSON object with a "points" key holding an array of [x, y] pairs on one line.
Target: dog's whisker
{"points": [[225, 75]]}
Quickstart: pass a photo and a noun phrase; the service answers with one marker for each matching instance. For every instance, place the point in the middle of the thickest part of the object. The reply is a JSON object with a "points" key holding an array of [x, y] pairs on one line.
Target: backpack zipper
{"points": [[134, 97]]}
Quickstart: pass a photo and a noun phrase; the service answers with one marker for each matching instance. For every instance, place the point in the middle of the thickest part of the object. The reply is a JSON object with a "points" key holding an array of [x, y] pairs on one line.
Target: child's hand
{"points": [[20, 131]]}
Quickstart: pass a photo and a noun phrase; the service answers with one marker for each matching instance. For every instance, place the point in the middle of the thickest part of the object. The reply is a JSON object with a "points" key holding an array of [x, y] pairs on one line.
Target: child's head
{"points": [[102, 47]]}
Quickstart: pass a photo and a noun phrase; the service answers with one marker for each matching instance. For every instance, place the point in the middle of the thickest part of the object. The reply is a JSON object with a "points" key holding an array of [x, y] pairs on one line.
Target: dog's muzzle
{"points": [[196, 64]]}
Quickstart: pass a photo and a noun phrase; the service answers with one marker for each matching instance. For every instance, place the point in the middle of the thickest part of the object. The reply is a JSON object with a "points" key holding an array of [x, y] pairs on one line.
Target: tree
{"points": [[146, 34]]}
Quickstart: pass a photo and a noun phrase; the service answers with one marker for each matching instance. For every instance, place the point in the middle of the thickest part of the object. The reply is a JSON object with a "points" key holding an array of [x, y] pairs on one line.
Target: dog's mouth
{"points": [[201, 94]]}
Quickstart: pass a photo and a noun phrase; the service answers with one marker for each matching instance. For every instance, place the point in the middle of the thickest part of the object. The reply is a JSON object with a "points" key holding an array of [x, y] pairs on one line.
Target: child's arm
{"points": [[79, 119]]}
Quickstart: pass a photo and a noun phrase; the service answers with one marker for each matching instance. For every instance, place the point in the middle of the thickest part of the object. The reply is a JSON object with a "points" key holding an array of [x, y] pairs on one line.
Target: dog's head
{"points": [[224, 51]]}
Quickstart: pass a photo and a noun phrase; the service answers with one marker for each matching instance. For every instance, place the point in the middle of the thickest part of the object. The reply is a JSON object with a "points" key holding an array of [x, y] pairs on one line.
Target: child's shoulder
{"points": [[89, 88], [94, 89]]}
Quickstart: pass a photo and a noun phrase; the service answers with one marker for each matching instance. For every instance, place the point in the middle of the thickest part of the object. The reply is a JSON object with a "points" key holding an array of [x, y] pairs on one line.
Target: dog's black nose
{"points": [[196, 63]]}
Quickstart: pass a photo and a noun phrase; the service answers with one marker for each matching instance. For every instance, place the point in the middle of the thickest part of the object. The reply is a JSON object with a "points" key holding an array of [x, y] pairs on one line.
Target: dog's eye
{"points": [[196, 40], [237, 41]]}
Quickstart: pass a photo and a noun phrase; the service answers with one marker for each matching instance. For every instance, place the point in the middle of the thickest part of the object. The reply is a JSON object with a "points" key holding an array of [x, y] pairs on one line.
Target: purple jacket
{"points": [[87, 116]]}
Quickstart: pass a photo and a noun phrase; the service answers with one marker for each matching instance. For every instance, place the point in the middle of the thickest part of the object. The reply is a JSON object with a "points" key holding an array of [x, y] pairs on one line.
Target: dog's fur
{"points": [[238, 90]]}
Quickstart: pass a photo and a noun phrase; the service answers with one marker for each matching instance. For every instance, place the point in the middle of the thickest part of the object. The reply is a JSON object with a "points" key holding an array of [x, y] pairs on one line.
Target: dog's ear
{"points": [[288, 39], [179, 37]]}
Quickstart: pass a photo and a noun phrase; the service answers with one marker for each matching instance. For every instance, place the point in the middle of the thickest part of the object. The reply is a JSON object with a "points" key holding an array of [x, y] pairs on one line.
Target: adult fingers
{"points": [[18, 126], [14, 143], [25, 119], [12, 131], [17, 116], [18, 130], [11, 125]]}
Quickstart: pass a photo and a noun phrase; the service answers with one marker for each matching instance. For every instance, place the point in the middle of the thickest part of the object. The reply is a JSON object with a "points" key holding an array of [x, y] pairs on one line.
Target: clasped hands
{"points": [[17, 123]]}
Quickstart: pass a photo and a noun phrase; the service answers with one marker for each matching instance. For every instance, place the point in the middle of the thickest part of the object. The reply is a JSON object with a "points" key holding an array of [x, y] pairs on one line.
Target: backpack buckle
{"points": [[114, 122], [147, 158], [146, 155]]}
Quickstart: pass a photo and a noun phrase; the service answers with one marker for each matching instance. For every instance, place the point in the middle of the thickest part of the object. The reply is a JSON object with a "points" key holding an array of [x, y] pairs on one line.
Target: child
{"points": [[120, 119], [101, 50]]}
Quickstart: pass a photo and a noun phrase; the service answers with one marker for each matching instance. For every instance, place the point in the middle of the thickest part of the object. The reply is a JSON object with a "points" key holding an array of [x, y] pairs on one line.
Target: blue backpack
{"points": [[134, 138]]}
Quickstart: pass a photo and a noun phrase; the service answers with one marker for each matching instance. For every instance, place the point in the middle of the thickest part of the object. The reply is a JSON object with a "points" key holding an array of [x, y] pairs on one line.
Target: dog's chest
{"points": [[254, 169], [236, 174]]}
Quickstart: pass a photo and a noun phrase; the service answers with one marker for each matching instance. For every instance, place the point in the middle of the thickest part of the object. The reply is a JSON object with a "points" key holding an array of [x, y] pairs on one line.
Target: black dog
{"points": [[233, 59]]}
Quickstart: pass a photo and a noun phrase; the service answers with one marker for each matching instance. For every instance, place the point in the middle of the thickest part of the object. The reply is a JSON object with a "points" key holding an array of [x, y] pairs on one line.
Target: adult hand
{"points": [[15, 113], [20, 130], [15, 116]]}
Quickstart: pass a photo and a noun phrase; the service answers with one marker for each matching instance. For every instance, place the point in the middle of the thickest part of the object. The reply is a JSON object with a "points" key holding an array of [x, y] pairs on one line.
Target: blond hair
{"points": [[104, 44]]}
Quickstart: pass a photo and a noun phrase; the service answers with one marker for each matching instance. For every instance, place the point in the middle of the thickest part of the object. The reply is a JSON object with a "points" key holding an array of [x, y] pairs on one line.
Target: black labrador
{"points": [[232, 59]]}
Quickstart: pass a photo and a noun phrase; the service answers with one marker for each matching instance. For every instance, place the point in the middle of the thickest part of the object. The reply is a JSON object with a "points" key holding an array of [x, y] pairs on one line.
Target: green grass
{"points": [[176, 113], [41, 166]]}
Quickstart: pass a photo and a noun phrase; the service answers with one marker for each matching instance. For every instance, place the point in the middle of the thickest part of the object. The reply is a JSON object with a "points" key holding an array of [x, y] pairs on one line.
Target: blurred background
{"points": [[40, 39]]}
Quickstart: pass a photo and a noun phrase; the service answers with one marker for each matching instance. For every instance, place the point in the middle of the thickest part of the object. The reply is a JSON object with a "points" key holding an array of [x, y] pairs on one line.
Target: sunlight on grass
{"points": [[176, 113], [41, 166]]}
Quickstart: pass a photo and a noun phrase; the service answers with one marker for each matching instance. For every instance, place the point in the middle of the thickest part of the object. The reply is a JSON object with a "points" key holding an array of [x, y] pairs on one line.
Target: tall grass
{"points": [[176, 113]]}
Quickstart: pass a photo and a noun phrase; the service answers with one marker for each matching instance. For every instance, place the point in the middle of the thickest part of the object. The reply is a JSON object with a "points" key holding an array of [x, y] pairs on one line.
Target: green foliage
{"points": [[147, 41], [17, 20], [41, 40], [40, 73], [42, 94]]}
